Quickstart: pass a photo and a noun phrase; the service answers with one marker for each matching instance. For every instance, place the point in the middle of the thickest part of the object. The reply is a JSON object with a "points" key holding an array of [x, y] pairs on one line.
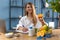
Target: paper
{"points": [[51, 24], [21, 31]]}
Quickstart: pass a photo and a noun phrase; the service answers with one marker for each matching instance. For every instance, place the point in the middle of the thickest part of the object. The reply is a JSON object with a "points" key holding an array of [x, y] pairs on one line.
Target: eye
{"points": [[29, 7]]}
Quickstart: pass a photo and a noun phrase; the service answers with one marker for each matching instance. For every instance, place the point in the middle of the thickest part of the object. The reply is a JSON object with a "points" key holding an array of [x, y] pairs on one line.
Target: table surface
{"points": [[56, 36]]}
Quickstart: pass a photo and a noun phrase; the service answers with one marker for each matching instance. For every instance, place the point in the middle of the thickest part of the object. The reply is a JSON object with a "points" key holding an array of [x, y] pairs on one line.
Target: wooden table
{"points": [[22, 37], [56, 36]]}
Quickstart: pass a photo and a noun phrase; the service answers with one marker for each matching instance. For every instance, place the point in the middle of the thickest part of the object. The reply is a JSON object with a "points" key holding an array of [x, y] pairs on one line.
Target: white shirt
{"points": [[26, 22]]}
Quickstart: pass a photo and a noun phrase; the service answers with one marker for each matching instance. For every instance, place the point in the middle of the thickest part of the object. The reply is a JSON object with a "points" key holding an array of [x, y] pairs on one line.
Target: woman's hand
{"points": [[42, 21], [20, 28], [23, 29]]}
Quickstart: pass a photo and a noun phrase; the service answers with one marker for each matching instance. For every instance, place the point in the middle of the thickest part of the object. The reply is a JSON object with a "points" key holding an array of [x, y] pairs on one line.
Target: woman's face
{"points": [[29, 8]]}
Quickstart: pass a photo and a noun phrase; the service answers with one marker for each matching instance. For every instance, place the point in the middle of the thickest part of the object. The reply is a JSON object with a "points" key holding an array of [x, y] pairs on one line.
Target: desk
{"points": [[56, 36]]}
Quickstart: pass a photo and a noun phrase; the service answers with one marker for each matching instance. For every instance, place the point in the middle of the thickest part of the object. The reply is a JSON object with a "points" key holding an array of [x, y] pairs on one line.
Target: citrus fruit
{"points": [[40, 15]]}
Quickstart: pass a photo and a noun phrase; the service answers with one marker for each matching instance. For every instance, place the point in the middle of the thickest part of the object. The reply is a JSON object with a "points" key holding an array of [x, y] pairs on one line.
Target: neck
{"points": [[29, 15]]}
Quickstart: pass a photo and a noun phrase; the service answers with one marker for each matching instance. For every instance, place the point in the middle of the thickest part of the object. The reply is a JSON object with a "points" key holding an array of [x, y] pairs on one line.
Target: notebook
{"points": [[21, 31]]}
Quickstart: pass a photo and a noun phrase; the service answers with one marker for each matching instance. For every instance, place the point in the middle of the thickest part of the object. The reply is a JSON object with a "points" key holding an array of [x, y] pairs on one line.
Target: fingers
{"points": [[25, 29], [20, 28]]}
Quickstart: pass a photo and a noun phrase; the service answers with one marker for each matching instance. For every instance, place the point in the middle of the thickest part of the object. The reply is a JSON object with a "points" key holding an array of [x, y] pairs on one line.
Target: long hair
{"points": [[33, 13]]}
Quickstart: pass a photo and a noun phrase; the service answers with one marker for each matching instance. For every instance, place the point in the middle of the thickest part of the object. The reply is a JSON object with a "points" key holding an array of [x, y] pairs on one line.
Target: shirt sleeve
{"points": [[38, 24], [20, 23], [46, 23]]}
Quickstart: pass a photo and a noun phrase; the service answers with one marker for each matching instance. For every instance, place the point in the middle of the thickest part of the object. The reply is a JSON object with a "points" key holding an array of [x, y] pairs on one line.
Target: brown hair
{"points": [[33, 13]]}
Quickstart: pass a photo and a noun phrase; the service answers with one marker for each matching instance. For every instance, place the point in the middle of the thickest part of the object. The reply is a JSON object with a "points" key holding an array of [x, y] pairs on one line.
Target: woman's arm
{"points": [[42, 21], [21, 24], [23, 29]]}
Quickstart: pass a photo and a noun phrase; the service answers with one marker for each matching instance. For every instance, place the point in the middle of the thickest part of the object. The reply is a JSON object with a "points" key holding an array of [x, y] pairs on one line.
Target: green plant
{"points": [[55, 5]]}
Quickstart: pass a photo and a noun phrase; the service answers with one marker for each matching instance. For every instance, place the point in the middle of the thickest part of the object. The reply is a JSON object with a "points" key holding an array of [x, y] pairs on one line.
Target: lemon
{"points": [[50, 31], [46, 27]]}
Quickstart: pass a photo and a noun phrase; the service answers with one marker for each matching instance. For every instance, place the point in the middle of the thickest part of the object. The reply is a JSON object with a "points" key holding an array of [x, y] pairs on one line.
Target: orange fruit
{"points": [[40, 33], [40, 15]]}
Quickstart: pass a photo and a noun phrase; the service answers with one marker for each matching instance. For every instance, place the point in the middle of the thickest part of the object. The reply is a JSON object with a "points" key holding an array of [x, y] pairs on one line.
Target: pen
{"points": [[23, 25]]}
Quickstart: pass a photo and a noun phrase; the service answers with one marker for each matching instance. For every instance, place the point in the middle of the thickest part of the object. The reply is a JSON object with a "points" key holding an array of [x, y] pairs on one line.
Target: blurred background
{"points": [[11, 10]]}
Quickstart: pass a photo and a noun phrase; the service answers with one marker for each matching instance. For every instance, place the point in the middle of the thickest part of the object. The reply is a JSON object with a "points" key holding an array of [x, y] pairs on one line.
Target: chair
{"points": [[2, 26]]}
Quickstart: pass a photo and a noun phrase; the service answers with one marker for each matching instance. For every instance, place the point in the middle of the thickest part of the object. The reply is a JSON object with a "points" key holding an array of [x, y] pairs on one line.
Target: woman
{"points": [[29, 18]]}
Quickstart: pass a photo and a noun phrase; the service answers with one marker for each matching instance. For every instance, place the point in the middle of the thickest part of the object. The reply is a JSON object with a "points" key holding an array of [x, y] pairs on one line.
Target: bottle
{"points": [[31, 31]]}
